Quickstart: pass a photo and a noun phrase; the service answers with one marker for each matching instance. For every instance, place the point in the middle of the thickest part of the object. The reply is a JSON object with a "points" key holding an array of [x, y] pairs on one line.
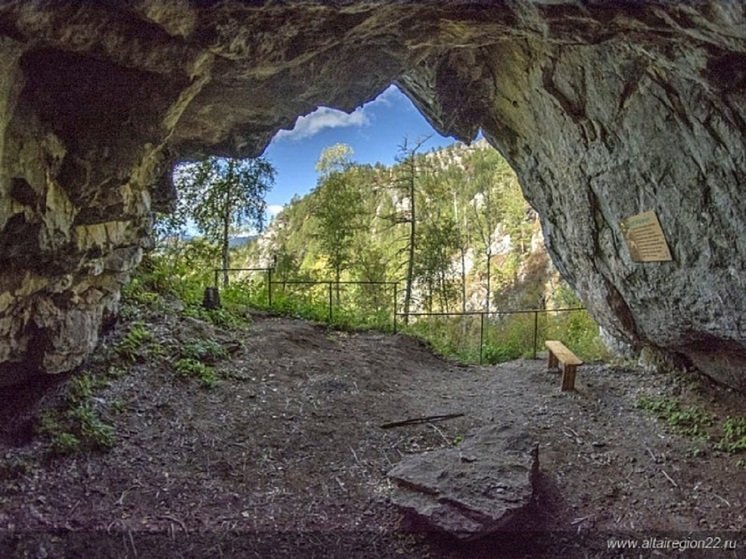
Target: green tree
{"points": [[455, 184], [435, 249], [437, 237], [371, 266], [486, 172], [338, 208], [220, 195]]}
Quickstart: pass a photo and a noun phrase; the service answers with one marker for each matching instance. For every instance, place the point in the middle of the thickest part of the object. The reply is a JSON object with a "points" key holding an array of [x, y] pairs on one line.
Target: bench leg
{"points": [[553, 362], [568, 378]]}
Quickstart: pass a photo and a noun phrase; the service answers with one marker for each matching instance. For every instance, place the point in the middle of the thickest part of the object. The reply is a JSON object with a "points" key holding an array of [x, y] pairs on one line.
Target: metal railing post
{"points": [[481, 337], [536, 330], [269, 287], [330, 302], [396, 296]]}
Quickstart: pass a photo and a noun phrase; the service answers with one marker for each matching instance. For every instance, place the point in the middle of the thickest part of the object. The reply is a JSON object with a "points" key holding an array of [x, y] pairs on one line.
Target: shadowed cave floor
{"points": [[285, 456]]}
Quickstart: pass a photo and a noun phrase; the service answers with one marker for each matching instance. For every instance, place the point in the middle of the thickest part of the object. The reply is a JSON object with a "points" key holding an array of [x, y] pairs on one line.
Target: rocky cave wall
{"points": [[605, 110]]}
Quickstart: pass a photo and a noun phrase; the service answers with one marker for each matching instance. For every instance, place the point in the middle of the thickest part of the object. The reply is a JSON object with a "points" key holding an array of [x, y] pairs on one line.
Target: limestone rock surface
{"points": [[474, 489], [604, 109]]}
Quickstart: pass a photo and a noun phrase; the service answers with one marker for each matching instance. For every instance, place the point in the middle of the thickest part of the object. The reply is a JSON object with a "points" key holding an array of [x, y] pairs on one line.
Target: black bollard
{"points": [[211, 299]]}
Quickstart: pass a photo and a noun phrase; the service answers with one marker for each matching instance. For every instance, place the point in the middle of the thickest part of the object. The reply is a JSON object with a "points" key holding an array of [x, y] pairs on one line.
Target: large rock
{"points": [[473, 490], [605, 110]]}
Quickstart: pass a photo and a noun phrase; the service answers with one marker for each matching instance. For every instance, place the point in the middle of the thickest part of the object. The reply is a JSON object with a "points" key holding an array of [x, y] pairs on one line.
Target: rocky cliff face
{"points": [[605, 109]]}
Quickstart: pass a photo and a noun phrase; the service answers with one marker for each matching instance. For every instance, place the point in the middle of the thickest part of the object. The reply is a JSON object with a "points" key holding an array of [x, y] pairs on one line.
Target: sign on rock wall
{"points": [[645, 238]]}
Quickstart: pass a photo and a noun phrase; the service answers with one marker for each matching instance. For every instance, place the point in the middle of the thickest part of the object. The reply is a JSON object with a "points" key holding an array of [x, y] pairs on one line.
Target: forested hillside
{"points": [[452, 221]]}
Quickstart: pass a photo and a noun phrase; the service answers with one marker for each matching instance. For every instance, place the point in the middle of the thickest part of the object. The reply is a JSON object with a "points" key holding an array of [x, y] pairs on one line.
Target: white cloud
{"points": [[387, 97], [322, 118], [274, 209]]}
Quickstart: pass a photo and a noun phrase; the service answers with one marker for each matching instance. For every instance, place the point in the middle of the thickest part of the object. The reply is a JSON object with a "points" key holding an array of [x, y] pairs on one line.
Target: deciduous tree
{"points": [[220, 195]]}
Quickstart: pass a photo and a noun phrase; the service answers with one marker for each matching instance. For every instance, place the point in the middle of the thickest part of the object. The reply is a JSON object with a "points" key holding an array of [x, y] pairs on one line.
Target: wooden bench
{"points": [[558, 353]]}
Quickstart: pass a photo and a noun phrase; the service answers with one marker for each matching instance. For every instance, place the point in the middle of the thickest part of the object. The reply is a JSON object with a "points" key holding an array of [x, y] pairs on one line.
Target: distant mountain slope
{"points": [[242, 240]]}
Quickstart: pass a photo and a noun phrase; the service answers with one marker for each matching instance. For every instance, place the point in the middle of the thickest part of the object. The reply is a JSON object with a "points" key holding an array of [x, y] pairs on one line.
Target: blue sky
{"points": [[375, 131]]}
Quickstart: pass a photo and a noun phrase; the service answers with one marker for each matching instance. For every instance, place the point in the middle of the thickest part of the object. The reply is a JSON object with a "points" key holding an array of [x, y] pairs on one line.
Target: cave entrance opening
{"points": [[470, 243]]}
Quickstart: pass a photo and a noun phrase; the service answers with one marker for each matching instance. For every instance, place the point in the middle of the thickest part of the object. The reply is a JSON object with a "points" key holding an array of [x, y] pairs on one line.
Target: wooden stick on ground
{"points": [[418, 420]]}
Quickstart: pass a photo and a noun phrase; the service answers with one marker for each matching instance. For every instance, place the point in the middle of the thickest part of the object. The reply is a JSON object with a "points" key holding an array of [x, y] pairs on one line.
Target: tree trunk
{"points": [[489, 279], [338, 276], [224, 249], [463, 279], [412, 232], [443, 292]]}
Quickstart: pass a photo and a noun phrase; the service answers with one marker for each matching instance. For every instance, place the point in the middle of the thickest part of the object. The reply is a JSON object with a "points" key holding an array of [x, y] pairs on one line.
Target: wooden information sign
{"points": [[645, 238]]}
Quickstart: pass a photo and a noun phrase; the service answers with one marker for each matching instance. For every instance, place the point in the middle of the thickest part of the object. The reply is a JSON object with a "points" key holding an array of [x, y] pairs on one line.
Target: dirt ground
{"points": [[286, 457]]}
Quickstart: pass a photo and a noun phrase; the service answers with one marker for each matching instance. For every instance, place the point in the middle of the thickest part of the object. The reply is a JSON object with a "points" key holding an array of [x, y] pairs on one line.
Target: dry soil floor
{"points": [[286, 457]]}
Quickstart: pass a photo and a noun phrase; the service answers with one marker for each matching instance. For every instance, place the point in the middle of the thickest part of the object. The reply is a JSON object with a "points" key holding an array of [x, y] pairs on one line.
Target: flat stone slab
{"points": [[474, 489]]}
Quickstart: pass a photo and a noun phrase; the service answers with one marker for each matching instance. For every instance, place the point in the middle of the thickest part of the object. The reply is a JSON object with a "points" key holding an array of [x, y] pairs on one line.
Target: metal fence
{"points": [[460, 330], [489, 322], [383, 300]]}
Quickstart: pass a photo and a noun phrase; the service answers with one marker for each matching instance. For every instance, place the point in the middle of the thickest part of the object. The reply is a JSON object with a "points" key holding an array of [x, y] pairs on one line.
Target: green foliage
{"points": [[207, 351], [217, 189], [334, 159], [223, 317], [577, 330], [309, 307], [356, 225], [93, 431], [493, 354], [565, 297], [454, 337], [220, 195], [461, 196], [77, 426], [691, 421], [178, 270], [337, 210], [196, 358], [436, 245], [64, 443], [506, 336], [695, 422], [81, 388], [733, 438], [193, 368], [133, 346]]}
